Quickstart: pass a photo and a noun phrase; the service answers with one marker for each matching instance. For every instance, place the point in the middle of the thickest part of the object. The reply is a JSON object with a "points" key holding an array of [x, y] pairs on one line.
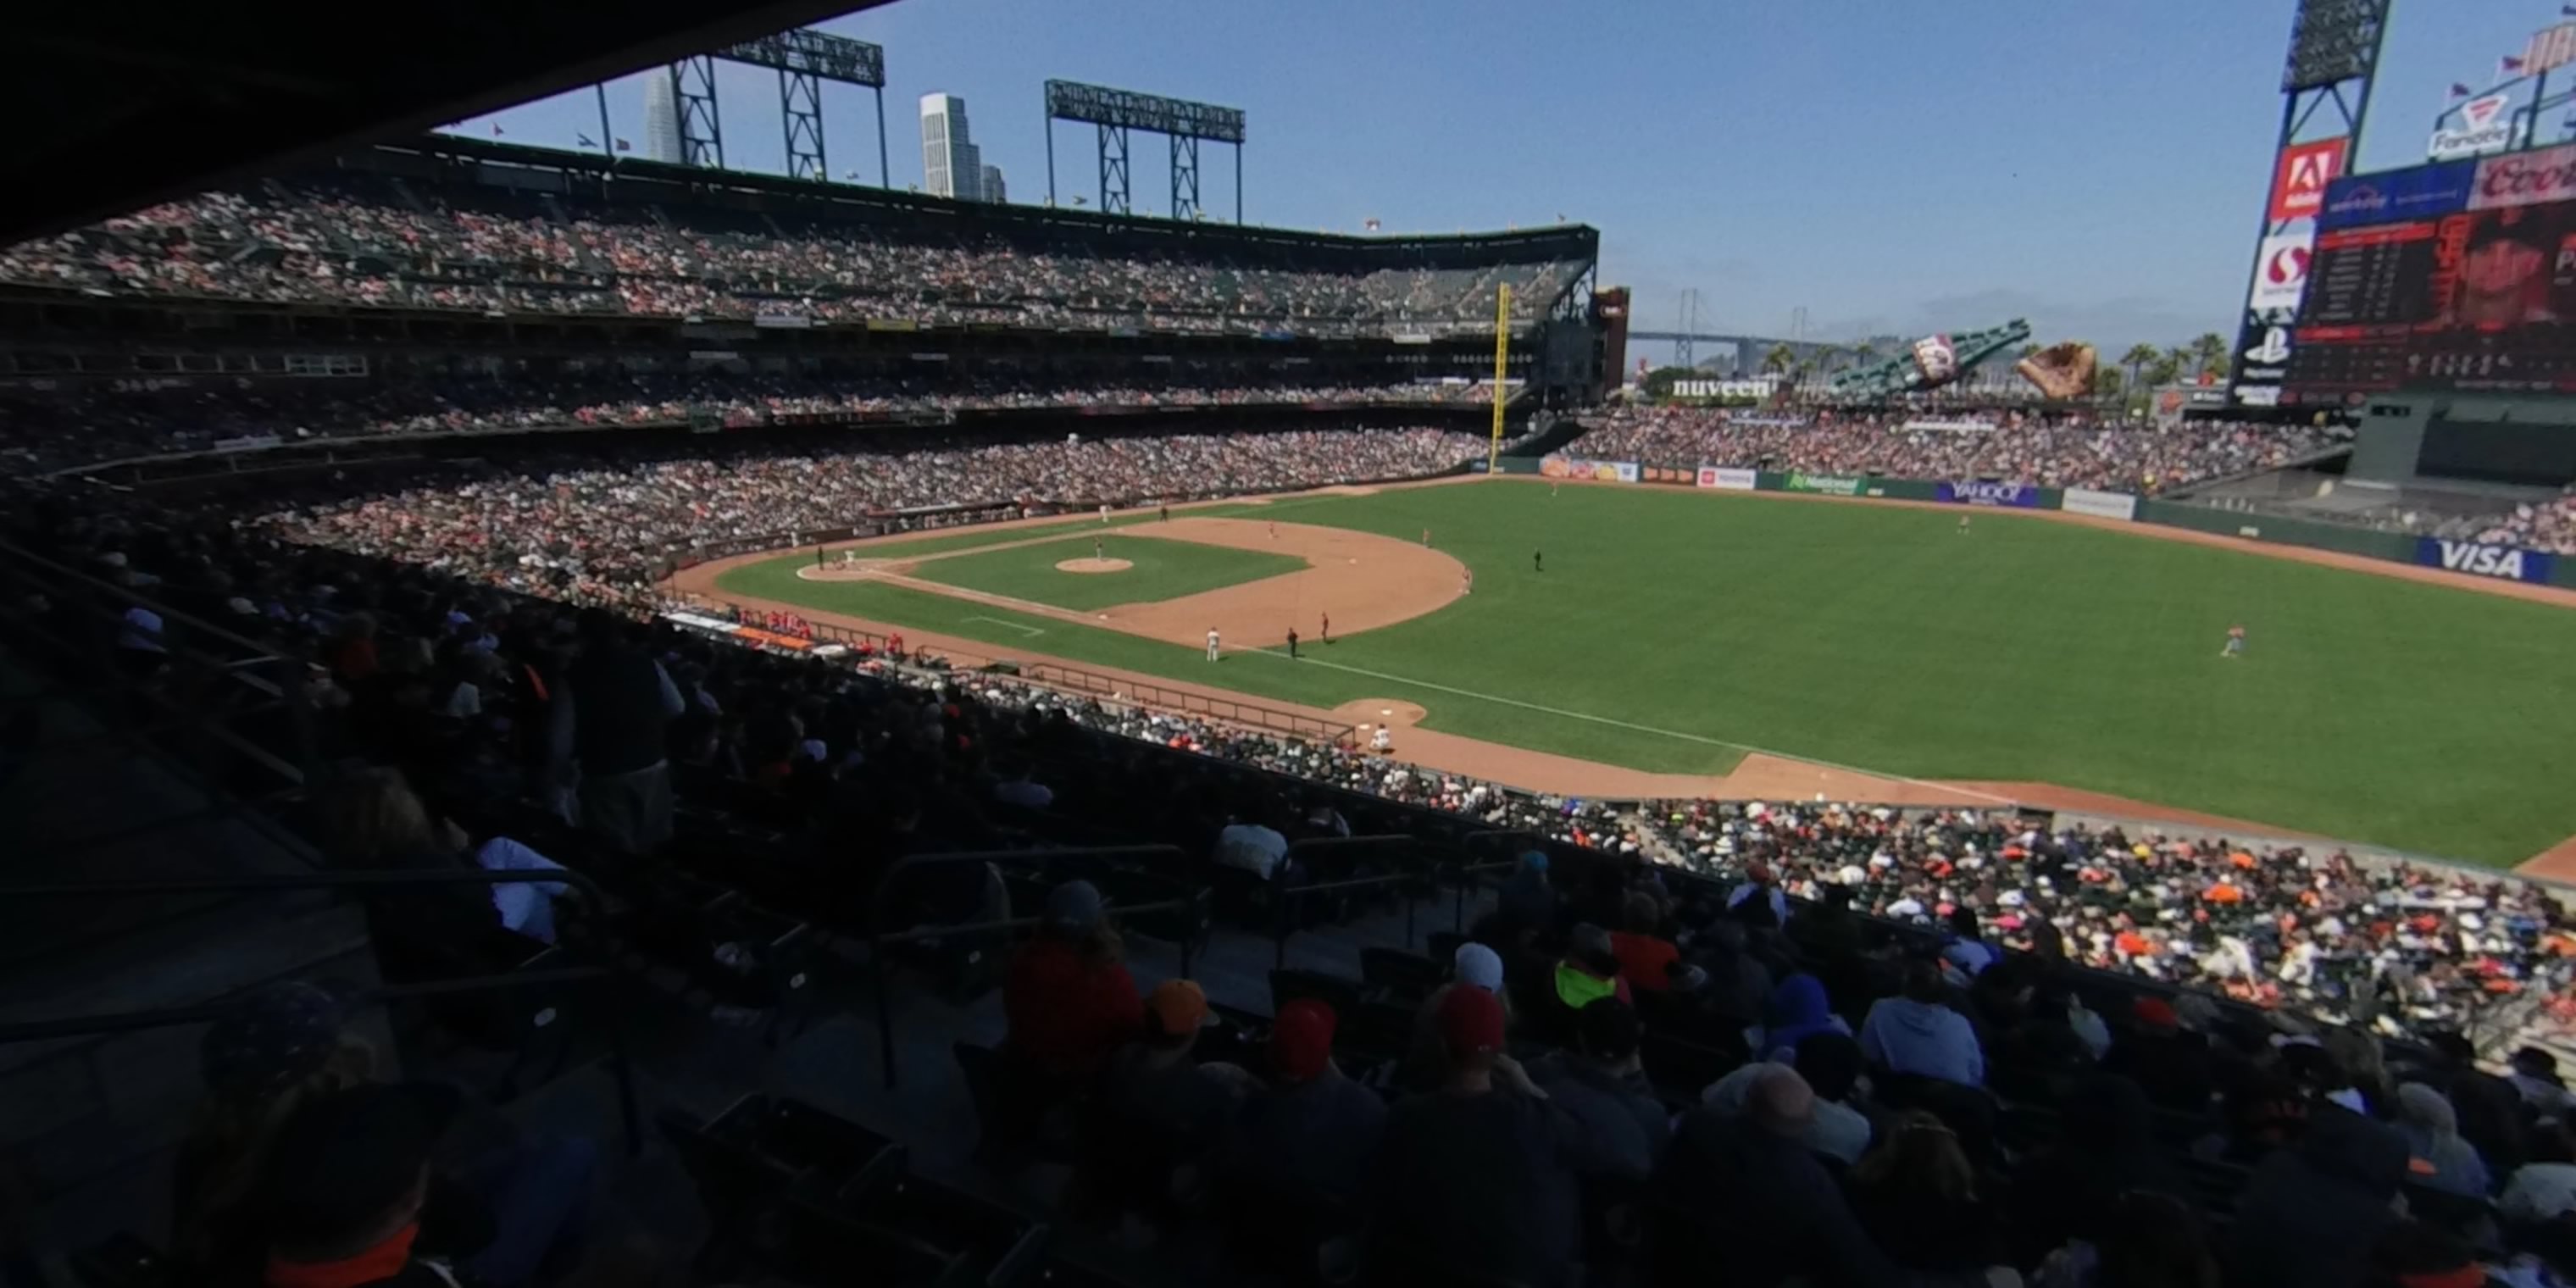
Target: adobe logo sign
{"points": [[2300, 177]]}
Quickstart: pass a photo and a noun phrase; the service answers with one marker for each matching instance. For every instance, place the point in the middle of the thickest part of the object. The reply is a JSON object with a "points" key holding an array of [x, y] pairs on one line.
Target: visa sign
{"points": [[2508, 563]]}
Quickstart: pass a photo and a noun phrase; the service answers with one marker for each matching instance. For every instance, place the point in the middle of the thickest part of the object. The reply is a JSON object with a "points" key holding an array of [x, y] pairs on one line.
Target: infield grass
{"points": [[1159, 570], [1675, 630]]}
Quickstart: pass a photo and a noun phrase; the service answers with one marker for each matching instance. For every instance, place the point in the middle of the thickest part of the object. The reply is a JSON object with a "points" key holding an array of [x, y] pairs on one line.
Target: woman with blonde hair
{"points": [[1917, 1194]]}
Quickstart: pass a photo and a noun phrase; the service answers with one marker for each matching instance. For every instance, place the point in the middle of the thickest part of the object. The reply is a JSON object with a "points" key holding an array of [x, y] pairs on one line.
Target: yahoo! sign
{"points": [[2018, 495], [2525, 178]]}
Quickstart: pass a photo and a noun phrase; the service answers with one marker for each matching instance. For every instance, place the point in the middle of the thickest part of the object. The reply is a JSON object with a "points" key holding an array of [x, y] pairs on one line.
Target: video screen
{"points": [[2475, 300]]}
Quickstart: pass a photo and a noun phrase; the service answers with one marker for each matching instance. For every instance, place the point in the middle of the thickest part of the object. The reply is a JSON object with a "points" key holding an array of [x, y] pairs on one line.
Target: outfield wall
{"points": [[2478, 559]]}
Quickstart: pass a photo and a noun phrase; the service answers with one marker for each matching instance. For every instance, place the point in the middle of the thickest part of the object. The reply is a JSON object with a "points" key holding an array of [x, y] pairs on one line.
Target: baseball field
{"points": [[1681, 632]]}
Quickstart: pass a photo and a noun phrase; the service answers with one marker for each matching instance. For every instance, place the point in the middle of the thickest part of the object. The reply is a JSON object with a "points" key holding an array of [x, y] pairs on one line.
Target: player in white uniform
{"points": [[1212, 643]]}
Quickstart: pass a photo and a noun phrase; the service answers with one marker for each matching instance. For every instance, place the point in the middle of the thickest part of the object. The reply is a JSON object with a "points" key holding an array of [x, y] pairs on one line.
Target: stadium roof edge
{"points": [[122, 112], [1561, 239]]}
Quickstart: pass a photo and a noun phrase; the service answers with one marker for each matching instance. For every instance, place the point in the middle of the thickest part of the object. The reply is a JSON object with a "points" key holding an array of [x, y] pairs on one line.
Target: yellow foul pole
{"points": [[1502, 350]]}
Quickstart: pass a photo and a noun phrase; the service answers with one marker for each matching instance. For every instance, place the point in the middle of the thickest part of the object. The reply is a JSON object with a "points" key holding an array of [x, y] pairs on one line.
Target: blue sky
{"points": [[2097, 166]]}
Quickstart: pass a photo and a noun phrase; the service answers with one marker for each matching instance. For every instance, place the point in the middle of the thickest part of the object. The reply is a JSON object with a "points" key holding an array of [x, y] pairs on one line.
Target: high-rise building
{"points": [[993, 189], [661, 117], [951, 166]]}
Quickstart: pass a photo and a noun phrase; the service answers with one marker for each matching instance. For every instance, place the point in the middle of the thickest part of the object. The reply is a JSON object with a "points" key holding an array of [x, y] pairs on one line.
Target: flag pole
{"points": [[1502, 349], [607, 145]]}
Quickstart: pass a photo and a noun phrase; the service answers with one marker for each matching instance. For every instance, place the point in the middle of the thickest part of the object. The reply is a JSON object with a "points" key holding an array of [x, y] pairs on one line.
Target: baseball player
{"points": [[1212, 644], [2235, 642]]}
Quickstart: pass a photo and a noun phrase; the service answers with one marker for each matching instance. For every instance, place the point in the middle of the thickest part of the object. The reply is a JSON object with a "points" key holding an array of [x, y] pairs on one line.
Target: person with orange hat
{"points": [[1157, 1078]]}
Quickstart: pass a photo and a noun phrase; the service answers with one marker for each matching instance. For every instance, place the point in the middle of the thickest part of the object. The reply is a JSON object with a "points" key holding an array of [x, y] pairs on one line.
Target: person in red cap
{"points": [[2171, 1063], [1311, 1130], [1479, 1177]]}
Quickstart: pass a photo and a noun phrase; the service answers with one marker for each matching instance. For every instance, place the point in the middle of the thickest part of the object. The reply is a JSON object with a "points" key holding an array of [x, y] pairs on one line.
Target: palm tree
{"points": [[1779, 359], [2179, 358], [2211, 351], [2166, 369], [1864, 354], [1825, 355], [2137, 359]]}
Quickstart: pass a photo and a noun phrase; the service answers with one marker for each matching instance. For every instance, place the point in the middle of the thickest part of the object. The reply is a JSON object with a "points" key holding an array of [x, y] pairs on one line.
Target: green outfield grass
{"points": [[1676, 630], [1163, 570]]}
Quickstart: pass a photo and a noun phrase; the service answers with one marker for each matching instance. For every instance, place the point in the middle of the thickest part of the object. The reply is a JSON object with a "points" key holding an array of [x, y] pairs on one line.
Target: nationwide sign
{"points": [[2483, 126], [2525, 178], [1828, 484], [2510, 563], [2398, 196], [2281, 272], [2300, 177]]}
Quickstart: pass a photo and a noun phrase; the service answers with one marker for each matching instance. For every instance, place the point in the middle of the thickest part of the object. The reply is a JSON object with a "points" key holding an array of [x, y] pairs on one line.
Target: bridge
{"points": [[1748, 348]]}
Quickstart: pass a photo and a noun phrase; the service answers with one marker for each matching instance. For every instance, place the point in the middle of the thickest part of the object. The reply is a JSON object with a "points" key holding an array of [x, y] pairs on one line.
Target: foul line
{"points": [[1630, 725], [1026, 630]]}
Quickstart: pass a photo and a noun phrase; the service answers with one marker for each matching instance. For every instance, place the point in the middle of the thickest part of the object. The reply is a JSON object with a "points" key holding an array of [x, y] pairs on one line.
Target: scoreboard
{"points": [[2457, 277]]}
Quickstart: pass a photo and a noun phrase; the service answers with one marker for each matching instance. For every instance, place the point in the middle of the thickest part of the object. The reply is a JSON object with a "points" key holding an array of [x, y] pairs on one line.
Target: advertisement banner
{"points": [[1745, 390], [2477, 127], [1824, 484], [2300, 176], [1730, 479], [2424, 192], [1575, 467], [1979, 492], [2507, 563], [1663, 474], [2525, 178], [2281, 274], [2101, 505]]}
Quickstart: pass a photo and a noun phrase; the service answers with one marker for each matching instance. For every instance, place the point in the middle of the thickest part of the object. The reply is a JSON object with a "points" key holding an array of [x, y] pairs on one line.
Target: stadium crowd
{"points": [[356, 242], [70, 428], [594, 530], [1615, 1045], [2399, 947], [1763, 1083], [2549, 526], [2043, 453]]}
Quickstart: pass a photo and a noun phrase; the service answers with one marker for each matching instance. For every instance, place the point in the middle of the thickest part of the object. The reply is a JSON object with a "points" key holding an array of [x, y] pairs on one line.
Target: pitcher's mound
{"points": [[1392, 712], [1094, 565]]}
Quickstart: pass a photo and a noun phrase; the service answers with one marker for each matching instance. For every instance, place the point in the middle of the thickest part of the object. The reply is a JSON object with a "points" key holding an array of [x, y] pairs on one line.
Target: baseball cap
{"points": [[1471, 1022], [284, 1033], [1178, 1006], [1301, 1040], [1478, 965], [1073, 906]]}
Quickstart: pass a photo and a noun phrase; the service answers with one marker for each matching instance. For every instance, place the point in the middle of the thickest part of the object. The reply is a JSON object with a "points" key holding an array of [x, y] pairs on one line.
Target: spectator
{"points": [[1250, 844], [1479, 1176], [2438, 1158], [342, 1188], [1527, 901], [1770, 1206], [610, 712], [1796, 1009], [2149, 1240], [1068, 997], [2171, 1063], [1602, 1084], [1475, 966], [1917, 1032], [1157, 1079], [2311, 1214], [1312, 1130], [2071, 1189], [1588, 971], [2535, 1075], [1647, 960], [1916, 1194]]}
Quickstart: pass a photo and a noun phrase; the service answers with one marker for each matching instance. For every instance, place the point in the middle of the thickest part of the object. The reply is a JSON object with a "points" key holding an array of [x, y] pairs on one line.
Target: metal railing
{"points": [[629, 1120], [1191, 903], [1145, 693]]}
